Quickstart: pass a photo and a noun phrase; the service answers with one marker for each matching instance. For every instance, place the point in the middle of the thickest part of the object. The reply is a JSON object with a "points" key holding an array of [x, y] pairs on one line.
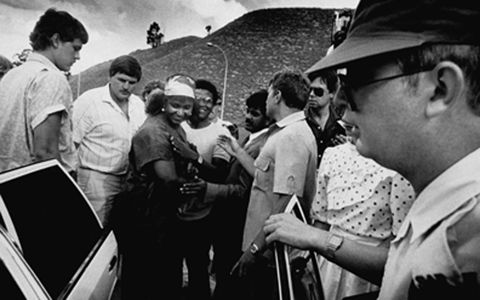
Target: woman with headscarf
{"points": [[153, 264]]}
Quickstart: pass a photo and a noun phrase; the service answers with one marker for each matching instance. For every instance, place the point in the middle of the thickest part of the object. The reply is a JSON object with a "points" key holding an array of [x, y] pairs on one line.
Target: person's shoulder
{"points": [[299, 130], [136, 100], [86, 98], [51, 78], [90, 95]]}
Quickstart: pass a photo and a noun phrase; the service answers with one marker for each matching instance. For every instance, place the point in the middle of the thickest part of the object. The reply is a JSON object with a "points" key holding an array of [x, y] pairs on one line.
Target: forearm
{"points": [[46, 138], [224, 192], [246, 161], [363, 260]]}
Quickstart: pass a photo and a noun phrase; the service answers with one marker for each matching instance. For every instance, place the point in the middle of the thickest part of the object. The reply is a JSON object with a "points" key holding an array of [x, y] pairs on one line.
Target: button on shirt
{"points": [[286, 165], [441, 233], [29, 94], [103, 131]]}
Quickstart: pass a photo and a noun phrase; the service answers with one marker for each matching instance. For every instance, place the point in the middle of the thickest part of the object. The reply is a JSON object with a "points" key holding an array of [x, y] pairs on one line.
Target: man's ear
{"points": [[449, 83], [278, 96], [55, 39]]}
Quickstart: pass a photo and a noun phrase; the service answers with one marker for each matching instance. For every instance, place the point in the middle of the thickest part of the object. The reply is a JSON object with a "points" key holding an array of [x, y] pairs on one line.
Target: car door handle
{"points": [[113, 263]]}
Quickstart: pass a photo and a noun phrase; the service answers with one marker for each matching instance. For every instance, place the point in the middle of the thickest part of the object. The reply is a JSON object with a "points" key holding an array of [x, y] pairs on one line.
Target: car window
{"points": [[55, 225], [8, 286]]}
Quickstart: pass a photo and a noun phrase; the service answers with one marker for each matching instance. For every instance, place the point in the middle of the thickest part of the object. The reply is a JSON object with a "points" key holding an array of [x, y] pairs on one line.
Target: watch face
{"points": [[335, 241]]}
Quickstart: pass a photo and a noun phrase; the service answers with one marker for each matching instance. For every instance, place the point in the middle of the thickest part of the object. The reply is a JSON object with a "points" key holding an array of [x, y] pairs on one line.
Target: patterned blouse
{"points": [[359, 196]]}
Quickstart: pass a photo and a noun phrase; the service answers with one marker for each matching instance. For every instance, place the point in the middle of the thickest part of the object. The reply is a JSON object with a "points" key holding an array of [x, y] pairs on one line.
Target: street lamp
{"points": [[224, 78]]}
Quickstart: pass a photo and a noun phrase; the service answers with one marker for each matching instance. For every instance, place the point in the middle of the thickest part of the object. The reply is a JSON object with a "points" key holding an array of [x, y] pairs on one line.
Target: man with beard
{"points": [[104, 121], [321, 115]]}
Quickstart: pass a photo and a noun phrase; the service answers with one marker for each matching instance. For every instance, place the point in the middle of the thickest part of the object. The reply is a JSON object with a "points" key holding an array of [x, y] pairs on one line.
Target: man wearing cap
{"points": [[104, 122], [411, 94]]}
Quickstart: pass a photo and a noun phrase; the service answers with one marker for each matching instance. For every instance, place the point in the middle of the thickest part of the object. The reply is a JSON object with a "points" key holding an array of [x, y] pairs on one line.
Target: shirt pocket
{"points": [[263, 174]]}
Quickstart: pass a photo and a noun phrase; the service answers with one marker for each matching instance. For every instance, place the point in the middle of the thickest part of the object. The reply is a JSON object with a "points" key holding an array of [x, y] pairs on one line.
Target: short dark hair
{"points": [[151, 85], [155, 104], [204, 84], [61, 22], [294, 86], [126, 64], [258, 100], [329, 76]]}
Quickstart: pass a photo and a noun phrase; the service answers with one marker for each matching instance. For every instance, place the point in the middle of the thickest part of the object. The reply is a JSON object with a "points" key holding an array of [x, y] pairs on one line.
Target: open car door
{"points": [[58, 233], [298, 275]]}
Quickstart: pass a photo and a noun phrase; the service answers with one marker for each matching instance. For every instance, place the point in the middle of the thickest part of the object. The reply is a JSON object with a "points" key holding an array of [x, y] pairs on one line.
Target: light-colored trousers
{"points": [[100, 189]]}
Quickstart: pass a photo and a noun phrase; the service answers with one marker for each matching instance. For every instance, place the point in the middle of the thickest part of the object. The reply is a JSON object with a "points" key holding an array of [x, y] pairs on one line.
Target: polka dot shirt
{"points": [[360, 196]]}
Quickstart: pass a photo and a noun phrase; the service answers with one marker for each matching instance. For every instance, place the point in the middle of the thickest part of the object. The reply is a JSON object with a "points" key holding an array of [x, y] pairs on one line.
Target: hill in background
{"points": [[257, 45]]}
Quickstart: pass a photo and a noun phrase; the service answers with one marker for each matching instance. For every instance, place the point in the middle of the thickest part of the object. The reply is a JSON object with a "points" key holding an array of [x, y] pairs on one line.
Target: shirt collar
{"points": [[292, 118], [37, 57], [255, 135], [443, 196]]}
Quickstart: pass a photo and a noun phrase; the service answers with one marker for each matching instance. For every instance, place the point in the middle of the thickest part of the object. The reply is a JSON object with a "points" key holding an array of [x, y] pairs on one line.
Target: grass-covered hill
{"points": [[257, 45]]}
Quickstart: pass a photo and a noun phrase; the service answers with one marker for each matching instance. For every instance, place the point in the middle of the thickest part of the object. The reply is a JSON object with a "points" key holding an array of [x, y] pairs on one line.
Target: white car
{"points": [[52, 245]]}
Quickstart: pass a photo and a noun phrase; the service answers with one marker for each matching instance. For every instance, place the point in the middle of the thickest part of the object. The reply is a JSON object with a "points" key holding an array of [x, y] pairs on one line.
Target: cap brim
{"points": [[357, 48]]}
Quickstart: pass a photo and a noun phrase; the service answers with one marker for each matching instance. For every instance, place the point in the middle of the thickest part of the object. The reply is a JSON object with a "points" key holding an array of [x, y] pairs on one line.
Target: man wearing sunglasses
{"points": [[321, 115], [411, 92]]}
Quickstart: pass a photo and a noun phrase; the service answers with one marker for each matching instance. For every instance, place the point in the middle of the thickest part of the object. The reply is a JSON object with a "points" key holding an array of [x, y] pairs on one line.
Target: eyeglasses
{"points": [[319, 92], [347, 84]]}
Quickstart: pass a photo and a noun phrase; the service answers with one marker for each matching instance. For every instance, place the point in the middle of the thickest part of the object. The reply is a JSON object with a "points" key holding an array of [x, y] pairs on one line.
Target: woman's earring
{"points": [[163, 109]]}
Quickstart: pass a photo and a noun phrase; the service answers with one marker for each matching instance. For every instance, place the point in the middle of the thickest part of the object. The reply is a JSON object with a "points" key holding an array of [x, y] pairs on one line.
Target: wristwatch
{"points": [[254, 249], [334, 241]]}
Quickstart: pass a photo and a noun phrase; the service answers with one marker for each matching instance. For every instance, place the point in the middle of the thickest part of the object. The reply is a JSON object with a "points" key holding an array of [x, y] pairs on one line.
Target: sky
{"points": [[118, 27]]}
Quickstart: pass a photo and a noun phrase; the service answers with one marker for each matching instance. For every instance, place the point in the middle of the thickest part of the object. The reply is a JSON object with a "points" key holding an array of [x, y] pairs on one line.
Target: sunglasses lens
{"points": [[319, 92]]}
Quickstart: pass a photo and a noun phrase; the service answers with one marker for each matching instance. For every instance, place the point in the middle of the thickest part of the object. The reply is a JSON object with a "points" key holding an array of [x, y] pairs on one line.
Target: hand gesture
{"points": [[184, 149], [228, 144], [196, 187]]}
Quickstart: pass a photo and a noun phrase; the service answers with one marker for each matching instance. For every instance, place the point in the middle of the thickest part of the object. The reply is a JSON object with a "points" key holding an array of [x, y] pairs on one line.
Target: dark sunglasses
{"points": [[319, 92], [347, 84]]}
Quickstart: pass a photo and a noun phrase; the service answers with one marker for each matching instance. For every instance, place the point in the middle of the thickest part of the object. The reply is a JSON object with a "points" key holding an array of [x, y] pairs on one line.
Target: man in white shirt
{"points": [[104, 121]]}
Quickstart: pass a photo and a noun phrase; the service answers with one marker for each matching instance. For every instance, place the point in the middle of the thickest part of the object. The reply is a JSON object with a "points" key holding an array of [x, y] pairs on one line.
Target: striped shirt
{"points": [[103, 132]]}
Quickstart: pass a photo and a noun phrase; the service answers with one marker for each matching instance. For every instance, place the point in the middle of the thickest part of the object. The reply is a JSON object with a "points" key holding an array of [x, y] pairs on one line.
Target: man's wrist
{"points": [[333, 243], [254, 249]]}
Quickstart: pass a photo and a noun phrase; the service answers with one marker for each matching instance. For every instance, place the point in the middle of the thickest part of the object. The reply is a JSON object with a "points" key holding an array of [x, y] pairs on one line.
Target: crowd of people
{"points": [[379, 141]]}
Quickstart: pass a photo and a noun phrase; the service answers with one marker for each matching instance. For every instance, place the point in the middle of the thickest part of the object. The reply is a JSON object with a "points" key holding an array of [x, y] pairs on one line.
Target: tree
{"points": [[154, 36]]}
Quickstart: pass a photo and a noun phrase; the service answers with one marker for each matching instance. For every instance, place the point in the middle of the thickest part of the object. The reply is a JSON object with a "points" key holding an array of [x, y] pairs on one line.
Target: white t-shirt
{"points": [[205, 139]]}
